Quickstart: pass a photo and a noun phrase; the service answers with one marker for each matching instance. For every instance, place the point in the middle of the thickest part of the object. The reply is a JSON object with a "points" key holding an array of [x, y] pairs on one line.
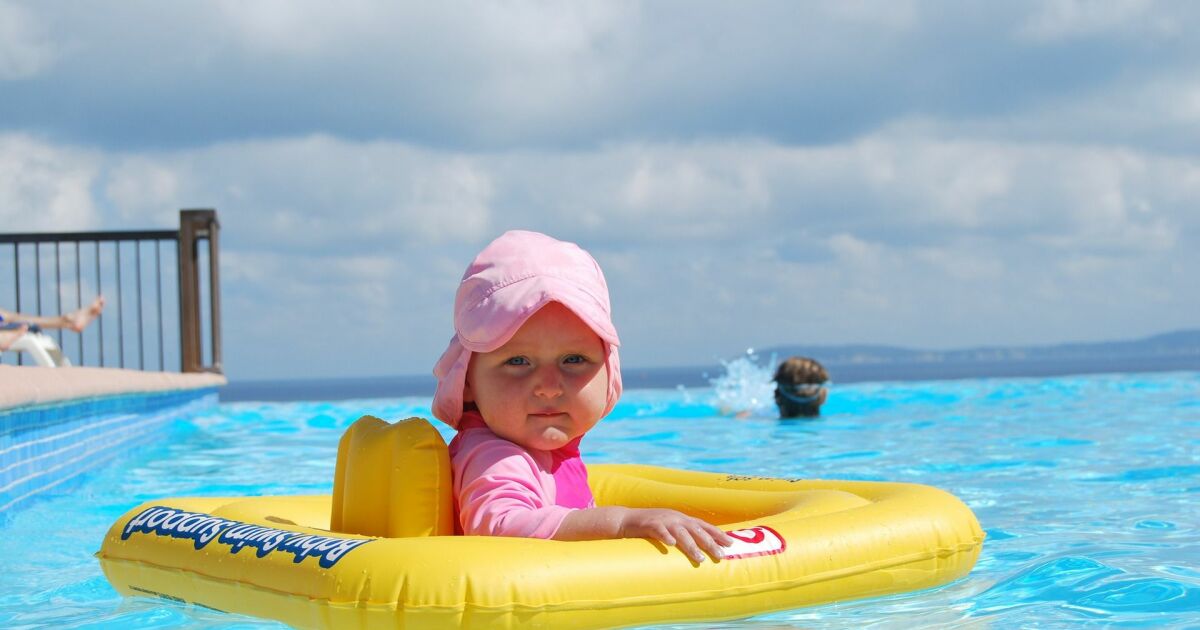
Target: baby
{"points": [[532, 367]]}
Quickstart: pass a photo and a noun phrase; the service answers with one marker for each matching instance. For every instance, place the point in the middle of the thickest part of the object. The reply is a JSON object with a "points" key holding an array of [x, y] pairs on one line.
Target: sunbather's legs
{"points": [[9, 337], [81, 318], [75, 320]]}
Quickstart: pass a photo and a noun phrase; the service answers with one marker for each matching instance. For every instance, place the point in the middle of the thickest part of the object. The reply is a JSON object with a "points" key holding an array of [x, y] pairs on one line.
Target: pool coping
{"points": [[25, 386]]}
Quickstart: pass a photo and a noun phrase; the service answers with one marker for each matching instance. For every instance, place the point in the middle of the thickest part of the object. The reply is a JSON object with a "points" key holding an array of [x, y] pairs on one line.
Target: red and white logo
{"points": [[759, 540]]}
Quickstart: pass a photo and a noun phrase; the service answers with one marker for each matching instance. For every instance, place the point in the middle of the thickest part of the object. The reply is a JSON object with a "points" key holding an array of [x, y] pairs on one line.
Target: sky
{"points": [[922, 174]]}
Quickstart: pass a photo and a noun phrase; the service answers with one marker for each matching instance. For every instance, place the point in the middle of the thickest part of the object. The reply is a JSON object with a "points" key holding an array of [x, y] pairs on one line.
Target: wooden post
{"points": [[195, 225], [214, 293]]}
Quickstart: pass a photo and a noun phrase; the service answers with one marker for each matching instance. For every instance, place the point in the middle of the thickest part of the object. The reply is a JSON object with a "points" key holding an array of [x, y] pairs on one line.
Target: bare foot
{"points": [[78, 320], [9, 337]]}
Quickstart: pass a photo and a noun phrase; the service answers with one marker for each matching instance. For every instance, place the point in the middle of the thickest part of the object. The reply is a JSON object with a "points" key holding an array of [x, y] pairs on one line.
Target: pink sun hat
{"points": [[513, 277]]}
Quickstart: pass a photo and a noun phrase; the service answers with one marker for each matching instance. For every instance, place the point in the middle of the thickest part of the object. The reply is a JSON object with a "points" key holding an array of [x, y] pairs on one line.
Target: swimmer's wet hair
{"points": [[797, 387]]}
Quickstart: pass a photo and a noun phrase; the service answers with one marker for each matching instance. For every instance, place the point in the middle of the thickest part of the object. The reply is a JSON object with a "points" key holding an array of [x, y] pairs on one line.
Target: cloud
{"points": [[45, 187], [302, 29], [25, 50], [316, 193], [1063, 19], [512, 76], [141, 187]]}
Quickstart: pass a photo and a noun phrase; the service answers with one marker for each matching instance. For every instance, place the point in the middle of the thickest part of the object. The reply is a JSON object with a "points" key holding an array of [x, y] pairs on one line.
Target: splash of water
{"points": [[746, 386]]}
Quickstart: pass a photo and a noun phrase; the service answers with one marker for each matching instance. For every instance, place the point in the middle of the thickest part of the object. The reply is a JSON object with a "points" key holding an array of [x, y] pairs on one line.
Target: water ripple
{"points": [[850, 455], [1151, 474], [1142, 595], [1089, 587]]}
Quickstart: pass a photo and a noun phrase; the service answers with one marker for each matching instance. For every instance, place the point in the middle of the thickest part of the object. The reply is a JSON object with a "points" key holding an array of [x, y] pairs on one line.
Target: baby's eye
{"points": [[517, 361], [574, 358]]}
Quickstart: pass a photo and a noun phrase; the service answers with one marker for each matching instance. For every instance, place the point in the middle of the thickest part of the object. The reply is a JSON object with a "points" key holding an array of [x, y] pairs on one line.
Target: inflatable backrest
{"points": [[392, 480]]}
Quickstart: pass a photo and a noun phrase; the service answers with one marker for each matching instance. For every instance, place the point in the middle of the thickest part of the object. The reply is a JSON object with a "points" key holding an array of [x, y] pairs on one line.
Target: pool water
{"points": [[1088, 488]]}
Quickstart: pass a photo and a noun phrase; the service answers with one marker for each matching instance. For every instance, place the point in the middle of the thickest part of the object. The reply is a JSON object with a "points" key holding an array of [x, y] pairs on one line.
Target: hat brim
{"points": [[492, 322]]}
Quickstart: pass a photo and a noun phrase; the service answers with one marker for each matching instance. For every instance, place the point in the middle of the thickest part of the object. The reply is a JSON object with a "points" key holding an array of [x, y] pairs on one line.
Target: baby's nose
{"points": [[547, 383]]}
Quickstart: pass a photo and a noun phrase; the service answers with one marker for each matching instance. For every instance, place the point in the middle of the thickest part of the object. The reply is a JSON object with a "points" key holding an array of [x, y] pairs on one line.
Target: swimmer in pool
{"points": [[801, 386]]}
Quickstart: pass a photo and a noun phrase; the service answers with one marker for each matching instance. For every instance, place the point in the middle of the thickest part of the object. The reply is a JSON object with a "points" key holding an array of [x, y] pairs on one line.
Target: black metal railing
{"points": [[101, 269]]}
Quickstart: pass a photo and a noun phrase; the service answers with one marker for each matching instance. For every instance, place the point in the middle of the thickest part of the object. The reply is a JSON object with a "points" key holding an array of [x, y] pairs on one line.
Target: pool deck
{"points": [[21, 385]]}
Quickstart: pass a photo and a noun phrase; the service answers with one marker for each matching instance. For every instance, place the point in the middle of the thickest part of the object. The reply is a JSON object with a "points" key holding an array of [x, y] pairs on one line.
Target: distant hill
{"points": [[1179, 350], [1172, 344]]}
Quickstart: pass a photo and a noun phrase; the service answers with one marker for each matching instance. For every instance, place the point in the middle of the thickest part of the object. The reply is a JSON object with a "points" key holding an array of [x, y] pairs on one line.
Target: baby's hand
{"points": [[690, 535]]}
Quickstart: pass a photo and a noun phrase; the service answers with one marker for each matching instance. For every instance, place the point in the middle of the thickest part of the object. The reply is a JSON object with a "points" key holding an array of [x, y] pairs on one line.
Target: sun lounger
{"points": [[41, 347]]}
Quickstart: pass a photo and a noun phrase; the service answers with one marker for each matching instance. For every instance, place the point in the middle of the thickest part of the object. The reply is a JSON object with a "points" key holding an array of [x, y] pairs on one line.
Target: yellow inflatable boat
{"points": [[379, 552]]}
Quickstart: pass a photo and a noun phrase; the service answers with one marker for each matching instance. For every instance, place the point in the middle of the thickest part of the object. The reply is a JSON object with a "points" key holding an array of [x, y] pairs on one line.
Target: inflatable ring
{"points": [[311, 561]]}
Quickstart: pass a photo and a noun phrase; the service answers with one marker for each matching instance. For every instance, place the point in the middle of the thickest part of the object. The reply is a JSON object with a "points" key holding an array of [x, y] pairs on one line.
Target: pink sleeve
{"points": [[499, 492]]}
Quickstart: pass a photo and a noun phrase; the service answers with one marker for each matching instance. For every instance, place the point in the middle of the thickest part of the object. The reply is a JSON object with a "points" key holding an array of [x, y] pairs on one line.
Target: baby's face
{"points": [[546, 386]]}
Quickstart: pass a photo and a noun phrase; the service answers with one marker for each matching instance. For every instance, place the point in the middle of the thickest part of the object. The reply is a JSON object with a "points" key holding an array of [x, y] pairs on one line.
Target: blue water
{"points": [[1088, 488]]}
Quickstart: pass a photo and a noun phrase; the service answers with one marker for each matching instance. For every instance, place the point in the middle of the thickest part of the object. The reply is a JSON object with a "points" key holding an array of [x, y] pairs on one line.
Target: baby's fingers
{"points": [[663, 534], [718, 534], [711, 546], [710, 541], [687, 543]]}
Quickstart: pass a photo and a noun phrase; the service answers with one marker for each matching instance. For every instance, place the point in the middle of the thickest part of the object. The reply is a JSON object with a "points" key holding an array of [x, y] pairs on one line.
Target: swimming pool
{"points": [[1088, 488]]}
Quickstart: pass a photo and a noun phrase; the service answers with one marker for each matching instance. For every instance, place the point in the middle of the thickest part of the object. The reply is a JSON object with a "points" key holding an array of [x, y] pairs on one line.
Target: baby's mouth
{"points": [[553, 418]]}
